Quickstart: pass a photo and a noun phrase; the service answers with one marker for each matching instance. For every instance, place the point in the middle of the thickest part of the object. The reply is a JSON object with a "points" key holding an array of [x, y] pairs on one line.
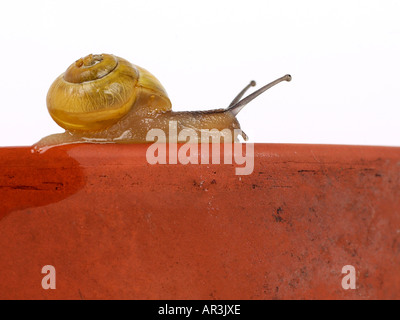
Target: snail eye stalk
{"points": [[241, 93], [235, 109]]}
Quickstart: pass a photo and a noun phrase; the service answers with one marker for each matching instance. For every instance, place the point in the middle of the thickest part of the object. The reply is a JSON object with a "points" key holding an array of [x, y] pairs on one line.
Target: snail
{"points": [[103, 98]]}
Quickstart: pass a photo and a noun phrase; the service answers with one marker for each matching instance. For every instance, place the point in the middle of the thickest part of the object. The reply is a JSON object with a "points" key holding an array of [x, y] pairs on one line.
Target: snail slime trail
{"points": [[102, 98]]}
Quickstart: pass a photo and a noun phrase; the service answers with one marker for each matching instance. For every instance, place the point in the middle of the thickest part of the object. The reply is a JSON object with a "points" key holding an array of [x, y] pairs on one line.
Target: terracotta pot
{"points": [[114, 226]]}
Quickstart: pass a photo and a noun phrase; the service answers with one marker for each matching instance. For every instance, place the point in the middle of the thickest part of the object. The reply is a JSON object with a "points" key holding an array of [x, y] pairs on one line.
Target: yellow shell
{"points": [[98, 90]]}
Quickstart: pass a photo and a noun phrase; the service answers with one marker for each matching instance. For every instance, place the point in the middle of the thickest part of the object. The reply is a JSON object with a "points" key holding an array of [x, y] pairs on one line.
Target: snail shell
{"points": [[98, 90]]}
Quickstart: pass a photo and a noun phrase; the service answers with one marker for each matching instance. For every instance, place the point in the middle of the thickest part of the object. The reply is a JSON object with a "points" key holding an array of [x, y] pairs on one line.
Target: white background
{"points": [[344, 57]]}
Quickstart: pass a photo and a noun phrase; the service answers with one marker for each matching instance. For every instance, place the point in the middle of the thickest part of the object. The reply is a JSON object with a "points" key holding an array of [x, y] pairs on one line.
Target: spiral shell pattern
{"points": [[94, 92]]}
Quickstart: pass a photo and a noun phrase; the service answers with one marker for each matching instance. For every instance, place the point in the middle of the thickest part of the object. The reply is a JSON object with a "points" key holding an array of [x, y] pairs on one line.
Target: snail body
{"points": [[106, 99]]}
